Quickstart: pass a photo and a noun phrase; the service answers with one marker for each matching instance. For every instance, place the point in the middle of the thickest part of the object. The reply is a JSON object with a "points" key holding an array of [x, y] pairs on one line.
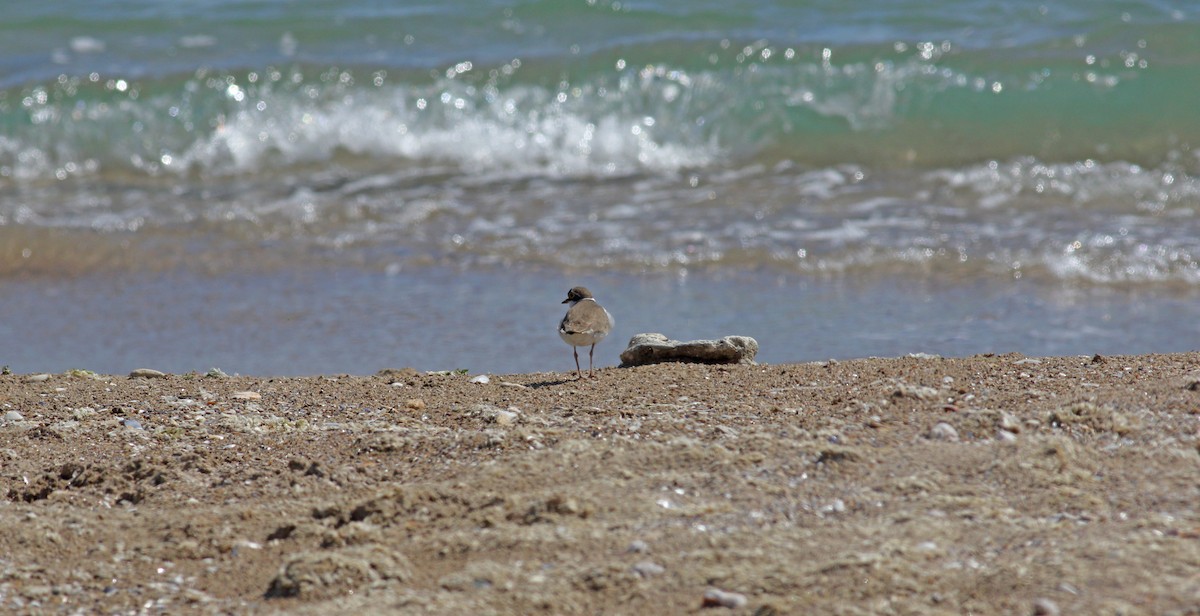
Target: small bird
{"points": [[586, 323]]}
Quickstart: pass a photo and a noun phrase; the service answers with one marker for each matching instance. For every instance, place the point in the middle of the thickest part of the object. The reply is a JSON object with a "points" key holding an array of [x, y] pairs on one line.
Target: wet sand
{"points": [[990, 484]]}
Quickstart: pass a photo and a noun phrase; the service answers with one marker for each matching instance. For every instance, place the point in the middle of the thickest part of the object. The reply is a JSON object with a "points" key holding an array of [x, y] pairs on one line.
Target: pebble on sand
{"points": [[496, 414], [132, 424], [146, 373], [246, 395], [1045, 607], [943, 432], [37, 378], [715, 597], [648, 568], [13, 416], [505, 418], [482, 379]]}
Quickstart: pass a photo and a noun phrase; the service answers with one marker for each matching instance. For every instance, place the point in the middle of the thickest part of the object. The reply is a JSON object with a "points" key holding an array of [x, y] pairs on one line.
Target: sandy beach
{"points": [[338, 198], [986, 485]]}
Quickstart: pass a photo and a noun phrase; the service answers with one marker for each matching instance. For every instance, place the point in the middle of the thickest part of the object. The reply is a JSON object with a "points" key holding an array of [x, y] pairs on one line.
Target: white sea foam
{"points": [[87, 44], [1095, 184], [519, 132]]}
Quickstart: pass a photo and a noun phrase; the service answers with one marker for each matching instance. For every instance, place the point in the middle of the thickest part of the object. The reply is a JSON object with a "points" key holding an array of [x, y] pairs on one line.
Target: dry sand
{"points": [[1065, 485]]}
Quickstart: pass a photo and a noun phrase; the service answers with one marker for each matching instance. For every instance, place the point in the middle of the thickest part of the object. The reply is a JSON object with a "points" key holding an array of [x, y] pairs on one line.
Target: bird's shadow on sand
{"points": [[599, 376], [541, 384]]}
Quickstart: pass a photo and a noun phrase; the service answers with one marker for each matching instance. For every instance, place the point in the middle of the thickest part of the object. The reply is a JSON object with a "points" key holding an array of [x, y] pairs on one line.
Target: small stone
{"points": [[482, 379], [656, 348], [563, 505], [415, 404], [13, 416], [132, 424], [246, 395], [146, 373], [637, 546], [920, 392], [1045, 607], [648, 568], [513, 385], [1005, 436], [837, 506], [943, 432], [1068, 588], [37, 378], [715, 597]]}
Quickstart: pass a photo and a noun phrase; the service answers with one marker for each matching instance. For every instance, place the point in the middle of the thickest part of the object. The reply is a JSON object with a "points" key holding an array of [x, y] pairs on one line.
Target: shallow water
{"points": [[350, 321]]}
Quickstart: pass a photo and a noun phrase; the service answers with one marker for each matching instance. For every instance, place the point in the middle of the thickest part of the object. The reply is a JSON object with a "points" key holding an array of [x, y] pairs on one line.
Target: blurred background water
{"points": [[342, 186]]}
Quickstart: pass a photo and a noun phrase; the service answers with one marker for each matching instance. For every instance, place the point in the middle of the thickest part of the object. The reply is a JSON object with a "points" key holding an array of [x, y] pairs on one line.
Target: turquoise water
{"points": [[1047, 146]]}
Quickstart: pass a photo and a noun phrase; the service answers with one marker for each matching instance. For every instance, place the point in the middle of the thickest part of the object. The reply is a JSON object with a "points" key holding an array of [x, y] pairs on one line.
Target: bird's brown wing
{"points": [[585, 318]]}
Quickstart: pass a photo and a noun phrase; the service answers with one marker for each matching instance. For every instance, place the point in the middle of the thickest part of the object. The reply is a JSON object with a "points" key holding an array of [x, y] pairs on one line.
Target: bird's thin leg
{"points": [[575, 350], [593, 350]]}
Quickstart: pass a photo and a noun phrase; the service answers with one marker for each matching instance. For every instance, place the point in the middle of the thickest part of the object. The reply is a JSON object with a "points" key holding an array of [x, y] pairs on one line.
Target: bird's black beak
{"points": [[566, 300]]}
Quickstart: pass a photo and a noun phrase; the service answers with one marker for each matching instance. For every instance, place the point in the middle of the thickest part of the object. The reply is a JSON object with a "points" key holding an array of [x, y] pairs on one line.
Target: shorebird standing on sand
{"points": [[586, 323]]}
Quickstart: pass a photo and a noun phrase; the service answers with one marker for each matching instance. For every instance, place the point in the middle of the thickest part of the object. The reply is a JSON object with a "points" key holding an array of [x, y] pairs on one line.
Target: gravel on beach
{"points": [[988, 484]]}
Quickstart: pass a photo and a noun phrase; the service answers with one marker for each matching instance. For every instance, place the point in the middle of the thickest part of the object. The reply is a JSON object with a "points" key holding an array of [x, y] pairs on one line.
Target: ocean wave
{"points": [[917, 159], [221, 125], [522, 130], [660, 108]]}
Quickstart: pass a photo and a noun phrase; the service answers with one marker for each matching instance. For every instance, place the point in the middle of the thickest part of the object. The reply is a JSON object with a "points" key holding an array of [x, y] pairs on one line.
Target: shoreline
{"points": [[992, 484]]}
